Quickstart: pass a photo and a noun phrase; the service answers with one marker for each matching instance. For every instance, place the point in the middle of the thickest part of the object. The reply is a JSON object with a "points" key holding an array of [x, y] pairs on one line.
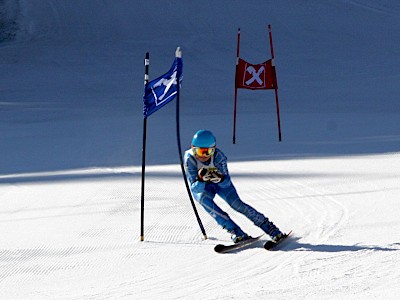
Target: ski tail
{"points": [[271, 244], [220, 248]]}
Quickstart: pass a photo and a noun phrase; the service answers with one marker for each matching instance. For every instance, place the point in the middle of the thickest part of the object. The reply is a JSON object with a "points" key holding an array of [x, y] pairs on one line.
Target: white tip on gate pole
{"points": [[178, 52]]}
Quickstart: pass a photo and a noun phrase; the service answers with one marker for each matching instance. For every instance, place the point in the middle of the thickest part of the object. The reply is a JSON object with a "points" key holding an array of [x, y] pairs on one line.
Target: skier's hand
{"points": [[204, 175], [216, 177], [207, 175]]}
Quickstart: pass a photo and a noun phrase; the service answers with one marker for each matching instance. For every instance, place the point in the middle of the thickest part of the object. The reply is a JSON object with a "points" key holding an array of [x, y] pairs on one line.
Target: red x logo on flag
{"points": [[256, 77]]}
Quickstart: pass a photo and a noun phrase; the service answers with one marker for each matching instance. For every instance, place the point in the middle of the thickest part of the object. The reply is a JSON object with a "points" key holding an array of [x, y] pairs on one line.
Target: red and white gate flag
{"points": [[256, 77]]}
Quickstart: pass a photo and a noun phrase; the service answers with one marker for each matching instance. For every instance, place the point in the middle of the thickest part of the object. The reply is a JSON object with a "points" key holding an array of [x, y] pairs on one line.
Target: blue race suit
{"points": [[204, 192]]}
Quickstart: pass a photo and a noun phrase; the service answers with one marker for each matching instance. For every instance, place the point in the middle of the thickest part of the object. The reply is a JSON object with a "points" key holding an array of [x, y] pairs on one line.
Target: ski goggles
{"points": [[203, 152]]}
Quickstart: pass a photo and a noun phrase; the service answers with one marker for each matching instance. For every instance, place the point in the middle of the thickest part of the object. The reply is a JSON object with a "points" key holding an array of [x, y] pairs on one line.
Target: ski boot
{"points": [[272, 231], [237, 238]]}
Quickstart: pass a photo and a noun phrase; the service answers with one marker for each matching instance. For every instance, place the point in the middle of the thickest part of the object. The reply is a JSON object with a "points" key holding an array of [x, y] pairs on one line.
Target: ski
{"points": [[271, 244], [220, 248]]}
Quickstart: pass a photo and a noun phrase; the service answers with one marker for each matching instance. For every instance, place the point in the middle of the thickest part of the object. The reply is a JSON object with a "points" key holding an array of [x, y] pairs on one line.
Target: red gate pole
{"points": [[275, 83], [235, 101]]}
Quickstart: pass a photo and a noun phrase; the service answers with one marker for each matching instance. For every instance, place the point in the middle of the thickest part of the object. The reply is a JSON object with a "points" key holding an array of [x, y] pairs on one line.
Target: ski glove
{"points": [[206, 175], [216, 177]]}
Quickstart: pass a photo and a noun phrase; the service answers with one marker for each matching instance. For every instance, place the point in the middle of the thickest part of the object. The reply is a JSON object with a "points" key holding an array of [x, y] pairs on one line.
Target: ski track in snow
{"points": [[104, 243]]}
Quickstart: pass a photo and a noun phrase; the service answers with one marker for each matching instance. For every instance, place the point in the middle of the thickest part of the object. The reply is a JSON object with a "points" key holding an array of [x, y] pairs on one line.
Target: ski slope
{"points": [[71, 84]]}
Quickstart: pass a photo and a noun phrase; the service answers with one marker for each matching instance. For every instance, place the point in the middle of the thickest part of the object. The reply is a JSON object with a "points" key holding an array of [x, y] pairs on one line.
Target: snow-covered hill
{"points": [[71, 84]]}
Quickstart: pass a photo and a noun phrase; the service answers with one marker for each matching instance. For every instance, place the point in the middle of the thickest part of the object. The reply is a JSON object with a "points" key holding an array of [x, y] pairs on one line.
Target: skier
{"points": [[207, 171]]}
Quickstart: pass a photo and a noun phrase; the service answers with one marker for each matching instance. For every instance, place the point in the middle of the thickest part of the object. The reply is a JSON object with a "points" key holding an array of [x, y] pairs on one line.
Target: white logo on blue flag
{"points": [[163, 89], [165, 86]]}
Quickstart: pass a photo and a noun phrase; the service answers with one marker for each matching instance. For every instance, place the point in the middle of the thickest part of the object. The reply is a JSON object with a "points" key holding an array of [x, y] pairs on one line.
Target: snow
{"points": [[71, 128]]}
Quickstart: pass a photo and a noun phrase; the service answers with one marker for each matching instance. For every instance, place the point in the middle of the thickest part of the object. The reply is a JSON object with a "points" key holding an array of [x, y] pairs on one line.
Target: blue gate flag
{"points": [[163, 89]]}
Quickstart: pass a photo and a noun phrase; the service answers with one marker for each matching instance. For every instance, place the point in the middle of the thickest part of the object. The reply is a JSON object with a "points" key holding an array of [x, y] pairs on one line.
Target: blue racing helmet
{"points": [[203, 139]]}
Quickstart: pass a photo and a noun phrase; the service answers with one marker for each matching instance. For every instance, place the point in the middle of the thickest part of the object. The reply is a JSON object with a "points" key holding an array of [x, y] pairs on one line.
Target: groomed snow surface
{"points": [[71, 123]]}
